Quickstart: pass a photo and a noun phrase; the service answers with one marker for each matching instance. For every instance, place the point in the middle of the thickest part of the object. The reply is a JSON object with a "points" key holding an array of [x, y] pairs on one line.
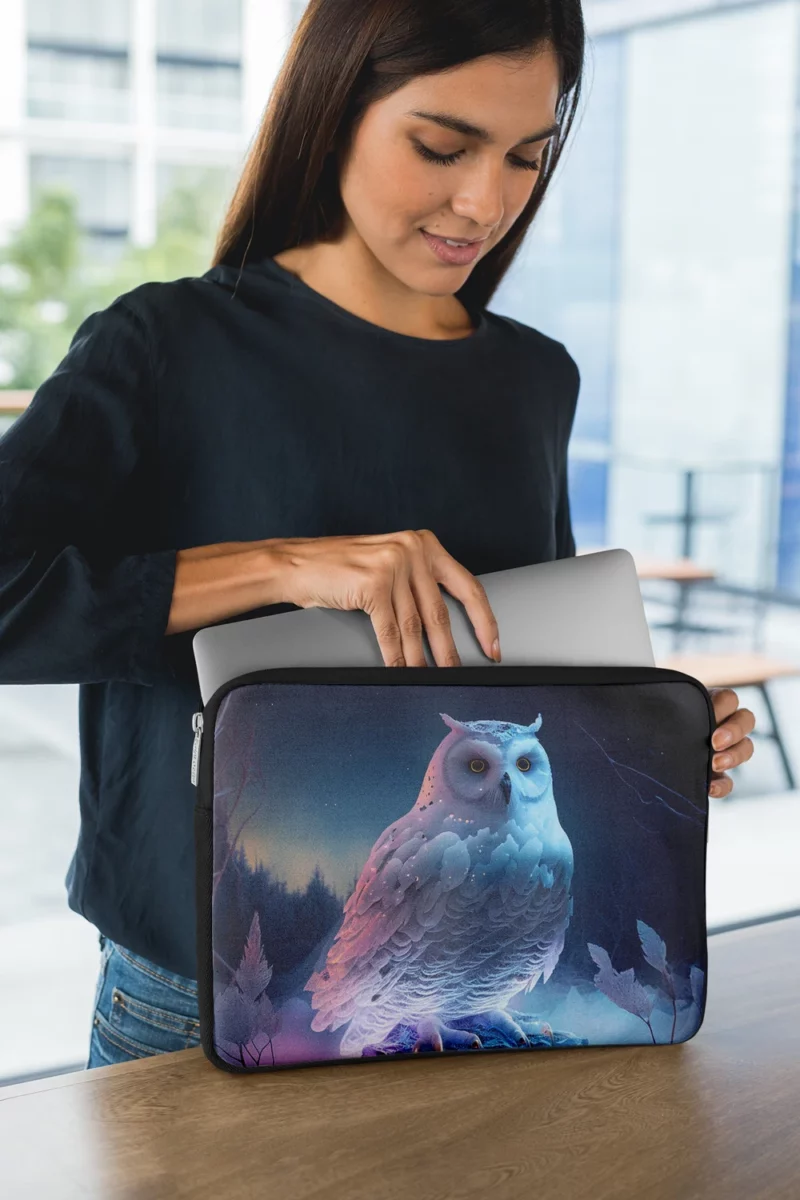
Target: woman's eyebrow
{"points": [[448, 121]]}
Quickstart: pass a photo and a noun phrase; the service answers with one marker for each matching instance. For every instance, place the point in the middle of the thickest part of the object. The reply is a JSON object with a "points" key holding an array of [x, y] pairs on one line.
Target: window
{"points": [[71, 22], [296, 10], [199, 64], [78, 62], [209, 187], [200, 28], [101, 186], [68, 86], [199, 95]]}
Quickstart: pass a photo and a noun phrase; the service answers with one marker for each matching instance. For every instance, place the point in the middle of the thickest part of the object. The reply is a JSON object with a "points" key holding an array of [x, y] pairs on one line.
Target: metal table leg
{"points": [[776, 735]]}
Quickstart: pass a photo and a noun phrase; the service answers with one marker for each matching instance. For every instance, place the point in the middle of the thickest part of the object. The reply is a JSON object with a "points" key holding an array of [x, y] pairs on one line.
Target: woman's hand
{"points": [[729, 738], [394, 578]]}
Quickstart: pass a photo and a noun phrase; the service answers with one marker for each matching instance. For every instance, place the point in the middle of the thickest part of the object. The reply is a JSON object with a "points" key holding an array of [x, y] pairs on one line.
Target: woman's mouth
{"points": [[450, 252]]}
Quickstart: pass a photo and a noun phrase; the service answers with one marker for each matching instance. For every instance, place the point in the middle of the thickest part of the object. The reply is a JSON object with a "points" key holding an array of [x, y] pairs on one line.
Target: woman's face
{"points": [[392, 191]]}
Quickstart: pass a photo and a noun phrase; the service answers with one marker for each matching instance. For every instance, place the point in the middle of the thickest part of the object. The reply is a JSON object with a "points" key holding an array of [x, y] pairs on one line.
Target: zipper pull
{"points": [[197, 726]]}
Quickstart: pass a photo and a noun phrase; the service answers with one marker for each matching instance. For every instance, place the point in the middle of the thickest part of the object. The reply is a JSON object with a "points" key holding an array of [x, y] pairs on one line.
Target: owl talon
{"points": [[536, 1030], [429, 1037], [498, 1028], [500, 1023], [433, 1034]]}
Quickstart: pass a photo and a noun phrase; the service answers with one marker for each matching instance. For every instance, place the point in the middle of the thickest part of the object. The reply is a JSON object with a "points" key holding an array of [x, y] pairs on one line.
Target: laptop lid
{"points": [[585, 610]]}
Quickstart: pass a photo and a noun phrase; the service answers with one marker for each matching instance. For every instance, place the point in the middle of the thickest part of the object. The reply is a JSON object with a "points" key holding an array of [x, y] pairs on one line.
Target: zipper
{"points": [[197, 726]]}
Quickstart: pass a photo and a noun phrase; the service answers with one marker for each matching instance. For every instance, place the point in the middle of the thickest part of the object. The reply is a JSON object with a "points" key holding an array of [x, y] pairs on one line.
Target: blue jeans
{"points": [[140, 1009]]}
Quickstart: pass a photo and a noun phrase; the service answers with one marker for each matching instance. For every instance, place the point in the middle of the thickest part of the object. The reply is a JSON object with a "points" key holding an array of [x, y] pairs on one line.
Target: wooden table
{"points": [[676, 570], [737, 669], [714, 1119]]}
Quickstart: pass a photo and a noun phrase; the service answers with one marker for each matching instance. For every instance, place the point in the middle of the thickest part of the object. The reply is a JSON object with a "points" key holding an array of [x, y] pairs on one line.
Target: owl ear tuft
{"points": [[536, 725], [453, 723]]}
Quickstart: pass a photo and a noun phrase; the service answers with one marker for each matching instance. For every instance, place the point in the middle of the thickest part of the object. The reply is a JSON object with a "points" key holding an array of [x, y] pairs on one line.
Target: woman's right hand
{"points": [[394, 578]]}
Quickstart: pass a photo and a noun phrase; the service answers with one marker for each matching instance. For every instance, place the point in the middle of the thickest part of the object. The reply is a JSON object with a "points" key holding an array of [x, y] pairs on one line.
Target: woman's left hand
{"points": [[729, 740]]}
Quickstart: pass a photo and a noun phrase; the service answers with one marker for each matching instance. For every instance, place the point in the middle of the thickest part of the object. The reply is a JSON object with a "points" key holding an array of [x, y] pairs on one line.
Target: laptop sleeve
{"points": [[415, 860]]}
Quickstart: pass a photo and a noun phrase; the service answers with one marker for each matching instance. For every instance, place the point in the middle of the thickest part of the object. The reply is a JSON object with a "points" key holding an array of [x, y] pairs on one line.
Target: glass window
{"points": [[209, 187], [200, 28], [87, 22], [199, 96], [564, 280], [296, 10], [41, 939], [199, 64], [78, 87], [78, 66], [102, 187]]}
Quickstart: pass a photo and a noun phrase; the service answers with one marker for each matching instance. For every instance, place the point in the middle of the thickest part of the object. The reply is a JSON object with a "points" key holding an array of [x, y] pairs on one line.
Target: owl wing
{"points": [[400, 897], [553, 908]]}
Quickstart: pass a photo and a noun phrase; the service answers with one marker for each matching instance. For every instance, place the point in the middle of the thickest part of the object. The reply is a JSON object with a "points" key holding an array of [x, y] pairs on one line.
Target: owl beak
{"points": [[505, 786]]}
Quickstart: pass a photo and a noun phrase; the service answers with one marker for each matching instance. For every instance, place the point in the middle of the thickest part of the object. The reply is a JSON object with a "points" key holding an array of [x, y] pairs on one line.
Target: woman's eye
{"points": [[447, 160], [477, 765], [524, 764]]}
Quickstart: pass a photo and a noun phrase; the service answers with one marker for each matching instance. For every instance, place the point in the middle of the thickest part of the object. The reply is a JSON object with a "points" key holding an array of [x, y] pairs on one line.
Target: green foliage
{"points": [[42, 297], [51, 276]]}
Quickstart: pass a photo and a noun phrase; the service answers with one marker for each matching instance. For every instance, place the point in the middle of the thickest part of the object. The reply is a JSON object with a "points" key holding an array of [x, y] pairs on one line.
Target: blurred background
{"points": [[666, 257]]}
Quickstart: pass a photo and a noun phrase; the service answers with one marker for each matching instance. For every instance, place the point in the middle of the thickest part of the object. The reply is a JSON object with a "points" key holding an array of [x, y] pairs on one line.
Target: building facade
{"points": [[666, 256], [122, 99]]}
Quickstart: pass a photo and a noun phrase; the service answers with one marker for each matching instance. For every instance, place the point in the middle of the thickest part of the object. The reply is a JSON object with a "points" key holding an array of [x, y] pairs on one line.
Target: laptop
{"points": [[585, 610]]}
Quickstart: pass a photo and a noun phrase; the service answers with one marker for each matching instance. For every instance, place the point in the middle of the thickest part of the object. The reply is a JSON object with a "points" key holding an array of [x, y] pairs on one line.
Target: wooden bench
{"points": [[741, 670]]}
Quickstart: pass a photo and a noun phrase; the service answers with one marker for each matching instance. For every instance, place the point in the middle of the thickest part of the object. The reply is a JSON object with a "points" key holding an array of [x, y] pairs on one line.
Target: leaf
{"points": [[254, 972], [653, 947], [697, 983], [268, 1019], [621, 987], [234, 1016], [655, 953], [244, 1011]]}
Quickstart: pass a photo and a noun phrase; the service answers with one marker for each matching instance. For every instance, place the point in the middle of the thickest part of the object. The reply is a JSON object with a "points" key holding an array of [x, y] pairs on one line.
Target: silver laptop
{"points": [[585, 610]]}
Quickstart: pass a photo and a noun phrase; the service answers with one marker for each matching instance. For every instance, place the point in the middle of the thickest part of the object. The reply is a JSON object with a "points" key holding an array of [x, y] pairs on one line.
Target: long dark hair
{"points": [[344, 56]]}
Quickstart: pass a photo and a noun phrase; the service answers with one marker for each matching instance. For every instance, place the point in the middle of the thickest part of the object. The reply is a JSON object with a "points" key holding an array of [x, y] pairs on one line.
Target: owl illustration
{"points": [[462, 903]]}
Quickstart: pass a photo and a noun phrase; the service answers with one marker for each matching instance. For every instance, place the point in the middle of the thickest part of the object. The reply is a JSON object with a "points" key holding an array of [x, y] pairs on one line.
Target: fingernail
{"points": [[496, 650], [714, 790], [721, 761], [722, 738]]}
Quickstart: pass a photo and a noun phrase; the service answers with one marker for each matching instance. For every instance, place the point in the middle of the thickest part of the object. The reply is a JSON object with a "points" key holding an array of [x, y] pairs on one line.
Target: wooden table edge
{"points": [[760, 928]]}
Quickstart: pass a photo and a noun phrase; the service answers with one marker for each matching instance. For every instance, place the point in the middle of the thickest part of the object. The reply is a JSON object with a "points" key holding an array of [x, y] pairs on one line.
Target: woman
{"points": [[329, 417]]}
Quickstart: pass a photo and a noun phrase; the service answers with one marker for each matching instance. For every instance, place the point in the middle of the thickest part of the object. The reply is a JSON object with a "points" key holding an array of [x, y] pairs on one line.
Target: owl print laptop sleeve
{"points": [[425, 861]]}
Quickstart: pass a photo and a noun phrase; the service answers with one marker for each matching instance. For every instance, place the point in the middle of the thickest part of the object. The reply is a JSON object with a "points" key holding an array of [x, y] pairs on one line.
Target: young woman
{"points": [[328, 417]]}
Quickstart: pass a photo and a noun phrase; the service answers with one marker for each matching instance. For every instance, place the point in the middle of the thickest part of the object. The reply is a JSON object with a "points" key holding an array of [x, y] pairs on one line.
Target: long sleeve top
{"points": [[237, 406]]}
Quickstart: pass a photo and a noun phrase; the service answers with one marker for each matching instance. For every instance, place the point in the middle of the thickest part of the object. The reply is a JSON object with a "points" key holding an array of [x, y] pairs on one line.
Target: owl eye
{"points": [[477, 765], [523, 763]]}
